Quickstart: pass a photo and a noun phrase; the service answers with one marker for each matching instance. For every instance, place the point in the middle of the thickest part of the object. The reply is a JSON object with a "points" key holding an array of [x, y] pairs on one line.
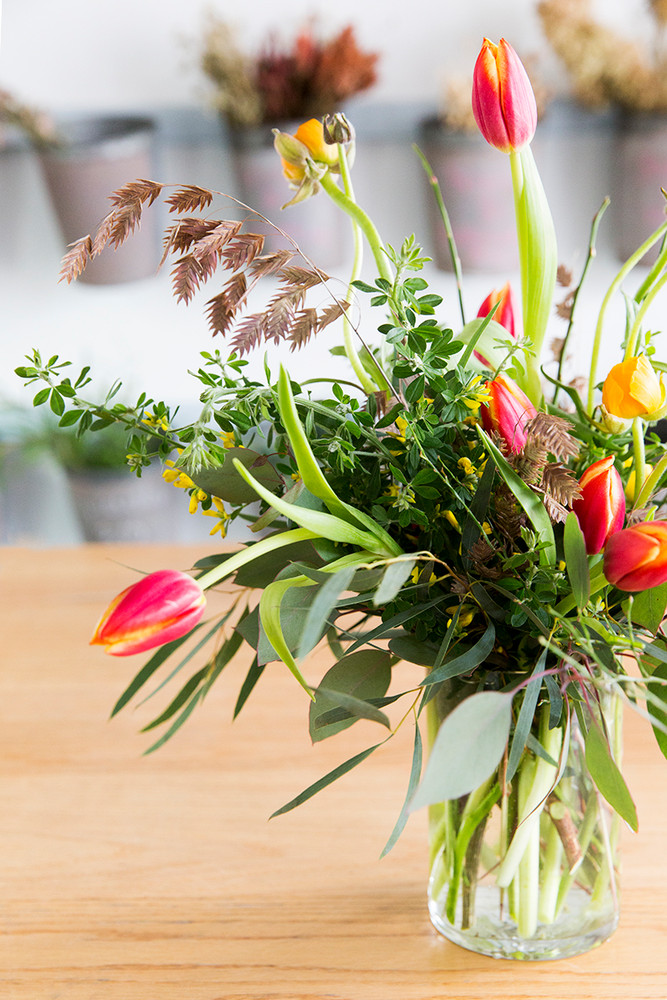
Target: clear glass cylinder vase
{"points": [[529, 869]]}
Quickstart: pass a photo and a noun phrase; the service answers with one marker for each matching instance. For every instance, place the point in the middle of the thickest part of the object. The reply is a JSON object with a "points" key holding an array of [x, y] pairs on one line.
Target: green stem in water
{"points": [[630, 263], [538, 261], [477, 808]]}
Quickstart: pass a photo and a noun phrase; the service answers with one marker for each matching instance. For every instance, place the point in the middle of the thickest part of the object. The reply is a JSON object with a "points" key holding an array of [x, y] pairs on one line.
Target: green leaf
{"points": [[269, 616], [187, 711], [468, 748], [41, 397], [183, 695], [254, 673], [57, 403], [365, 674], [225, 482], [415, 773], [607, 776], [526, 716], [393, 579], [399, 619], [321, 607], [659, 714], [465, 662], [530, 502], [648, 607], [576, 560], [413, 650], [328, 779], [349, 709]]}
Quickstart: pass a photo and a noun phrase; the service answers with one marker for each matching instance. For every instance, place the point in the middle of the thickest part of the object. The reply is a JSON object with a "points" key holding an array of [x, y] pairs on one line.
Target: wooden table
{"points": [[159, 878]]}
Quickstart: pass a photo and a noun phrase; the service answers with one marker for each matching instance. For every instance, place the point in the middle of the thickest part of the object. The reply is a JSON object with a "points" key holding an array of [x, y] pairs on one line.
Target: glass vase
{"points": [[528, 869]]}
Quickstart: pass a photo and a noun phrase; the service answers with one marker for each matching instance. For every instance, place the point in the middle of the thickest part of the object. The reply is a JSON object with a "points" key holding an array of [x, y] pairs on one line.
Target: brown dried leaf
{"points": [[186, 276], [280, 317], [250, 333], [560, 484], [243, 250], [189, 198], [270, 263], [304, 327], [564, 276], [302, 277], [103, 234], [552, 433], [331, 313], [123, 222], [139, 190], [215, 239], [222, 308], [556, 511], [75, 260]]}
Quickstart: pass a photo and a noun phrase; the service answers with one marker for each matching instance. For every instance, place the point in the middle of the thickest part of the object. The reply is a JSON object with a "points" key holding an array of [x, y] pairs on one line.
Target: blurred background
{"points": [[94, 95]]}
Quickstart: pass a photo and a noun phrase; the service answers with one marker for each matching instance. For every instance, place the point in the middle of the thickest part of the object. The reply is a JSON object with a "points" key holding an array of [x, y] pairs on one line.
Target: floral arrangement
{"points": [[306, 78], [605, 67], [35, 124], [448, 504]]}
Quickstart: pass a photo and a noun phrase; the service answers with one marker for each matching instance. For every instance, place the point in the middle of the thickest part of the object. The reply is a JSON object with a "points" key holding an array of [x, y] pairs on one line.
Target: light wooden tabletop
{"points": [[127, 877]]}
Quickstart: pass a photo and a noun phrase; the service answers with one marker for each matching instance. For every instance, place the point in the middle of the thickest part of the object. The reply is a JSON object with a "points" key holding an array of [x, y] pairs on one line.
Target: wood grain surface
{"points": [[131, 877]]}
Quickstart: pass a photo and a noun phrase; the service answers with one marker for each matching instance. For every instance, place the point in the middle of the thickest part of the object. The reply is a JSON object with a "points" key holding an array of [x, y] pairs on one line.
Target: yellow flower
{"points": [[218, 510], [228, 440], [632, 389], [449, 516], [176, 476], [196, 497], [630, 485], [467, 466], [151, 420]]}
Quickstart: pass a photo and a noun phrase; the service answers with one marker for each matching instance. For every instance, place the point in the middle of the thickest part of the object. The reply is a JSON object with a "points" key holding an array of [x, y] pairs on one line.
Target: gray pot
{"points": [[316, 225], [640, 171], [101, 154]]}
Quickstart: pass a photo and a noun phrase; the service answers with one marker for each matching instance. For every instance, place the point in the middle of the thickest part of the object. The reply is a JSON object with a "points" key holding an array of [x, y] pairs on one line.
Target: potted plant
{"points": [[281, 85], [82, 160], [610, 71]]}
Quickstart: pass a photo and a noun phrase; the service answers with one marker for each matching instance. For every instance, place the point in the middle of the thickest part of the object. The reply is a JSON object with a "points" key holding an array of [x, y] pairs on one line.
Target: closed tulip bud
{"points": [[507, 412], [633, 389], [600, 509], [162, 606], [305, 158], [507, 314], [503, 101], [636, 557]]}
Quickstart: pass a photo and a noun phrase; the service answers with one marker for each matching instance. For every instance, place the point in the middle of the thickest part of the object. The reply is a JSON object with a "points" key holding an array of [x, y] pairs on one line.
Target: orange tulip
{"points": [[633, 389], [507, 314], [601, 507], [636, 558], [507, 412], [502, 98], [162, 606]]}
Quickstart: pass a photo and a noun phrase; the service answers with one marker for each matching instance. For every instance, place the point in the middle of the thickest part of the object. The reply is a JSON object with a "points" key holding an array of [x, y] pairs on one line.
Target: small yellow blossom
{"points": [[152, 420], [561, 565], [467, 466], [218, 510], [486, 527], [228, 440], [451, 517], [196, 497]]}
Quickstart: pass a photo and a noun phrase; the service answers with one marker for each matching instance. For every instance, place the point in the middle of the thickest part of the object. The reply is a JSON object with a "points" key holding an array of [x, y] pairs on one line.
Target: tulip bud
{"points": [[507, 412], [507, 314], [633, 389], [337, 130], [502, 98], [636, 557], [162, 606], [600, 509]]}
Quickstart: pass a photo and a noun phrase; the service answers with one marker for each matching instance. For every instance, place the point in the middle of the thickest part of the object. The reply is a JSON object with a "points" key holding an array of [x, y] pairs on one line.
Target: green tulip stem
{"points": [[538, 262], [643, 495], [630, 263], [352, 355], [639, 453]]}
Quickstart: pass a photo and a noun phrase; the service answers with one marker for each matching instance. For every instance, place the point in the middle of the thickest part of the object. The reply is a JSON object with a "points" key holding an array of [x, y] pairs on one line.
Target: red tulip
{"points": [[162, 606], [507, 314], [636, 558], [507, 412], [601, 507], [502, 98]]}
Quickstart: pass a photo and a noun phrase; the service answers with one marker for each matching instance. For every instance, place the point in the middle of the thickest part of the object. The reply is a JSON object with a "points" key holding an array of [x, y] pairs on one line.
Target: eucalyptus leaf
{"points": [[415, 773], [607, 776], [657, 713], [648, 607], [328, 779], [270, 604], [468, 748], [317, 618], [394, 577], [465, 662], [524, 721], [225, 482], [365, 674]]}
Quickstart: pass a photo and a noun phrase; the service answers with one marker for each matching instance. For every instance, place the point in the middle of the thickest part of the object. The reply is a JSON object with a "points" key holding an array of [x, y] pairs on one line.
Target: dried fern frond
{"points": [[74, 262], [560, 483], [189, 198], [270, 263], [222, 309], [552, 433], [140, 190]]}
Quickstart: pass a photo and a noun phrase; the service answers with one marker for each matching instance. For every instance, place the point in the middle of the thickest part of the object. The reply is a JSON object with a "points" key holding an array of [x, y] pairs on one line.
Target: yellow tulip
{"points": [[633, 389]]}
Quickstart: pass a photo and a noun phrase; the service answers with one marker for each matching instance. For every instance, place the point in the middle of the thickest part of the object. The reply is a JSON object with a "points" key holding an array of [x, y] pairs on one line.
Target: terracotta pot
{"points": [[99, 156]]}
